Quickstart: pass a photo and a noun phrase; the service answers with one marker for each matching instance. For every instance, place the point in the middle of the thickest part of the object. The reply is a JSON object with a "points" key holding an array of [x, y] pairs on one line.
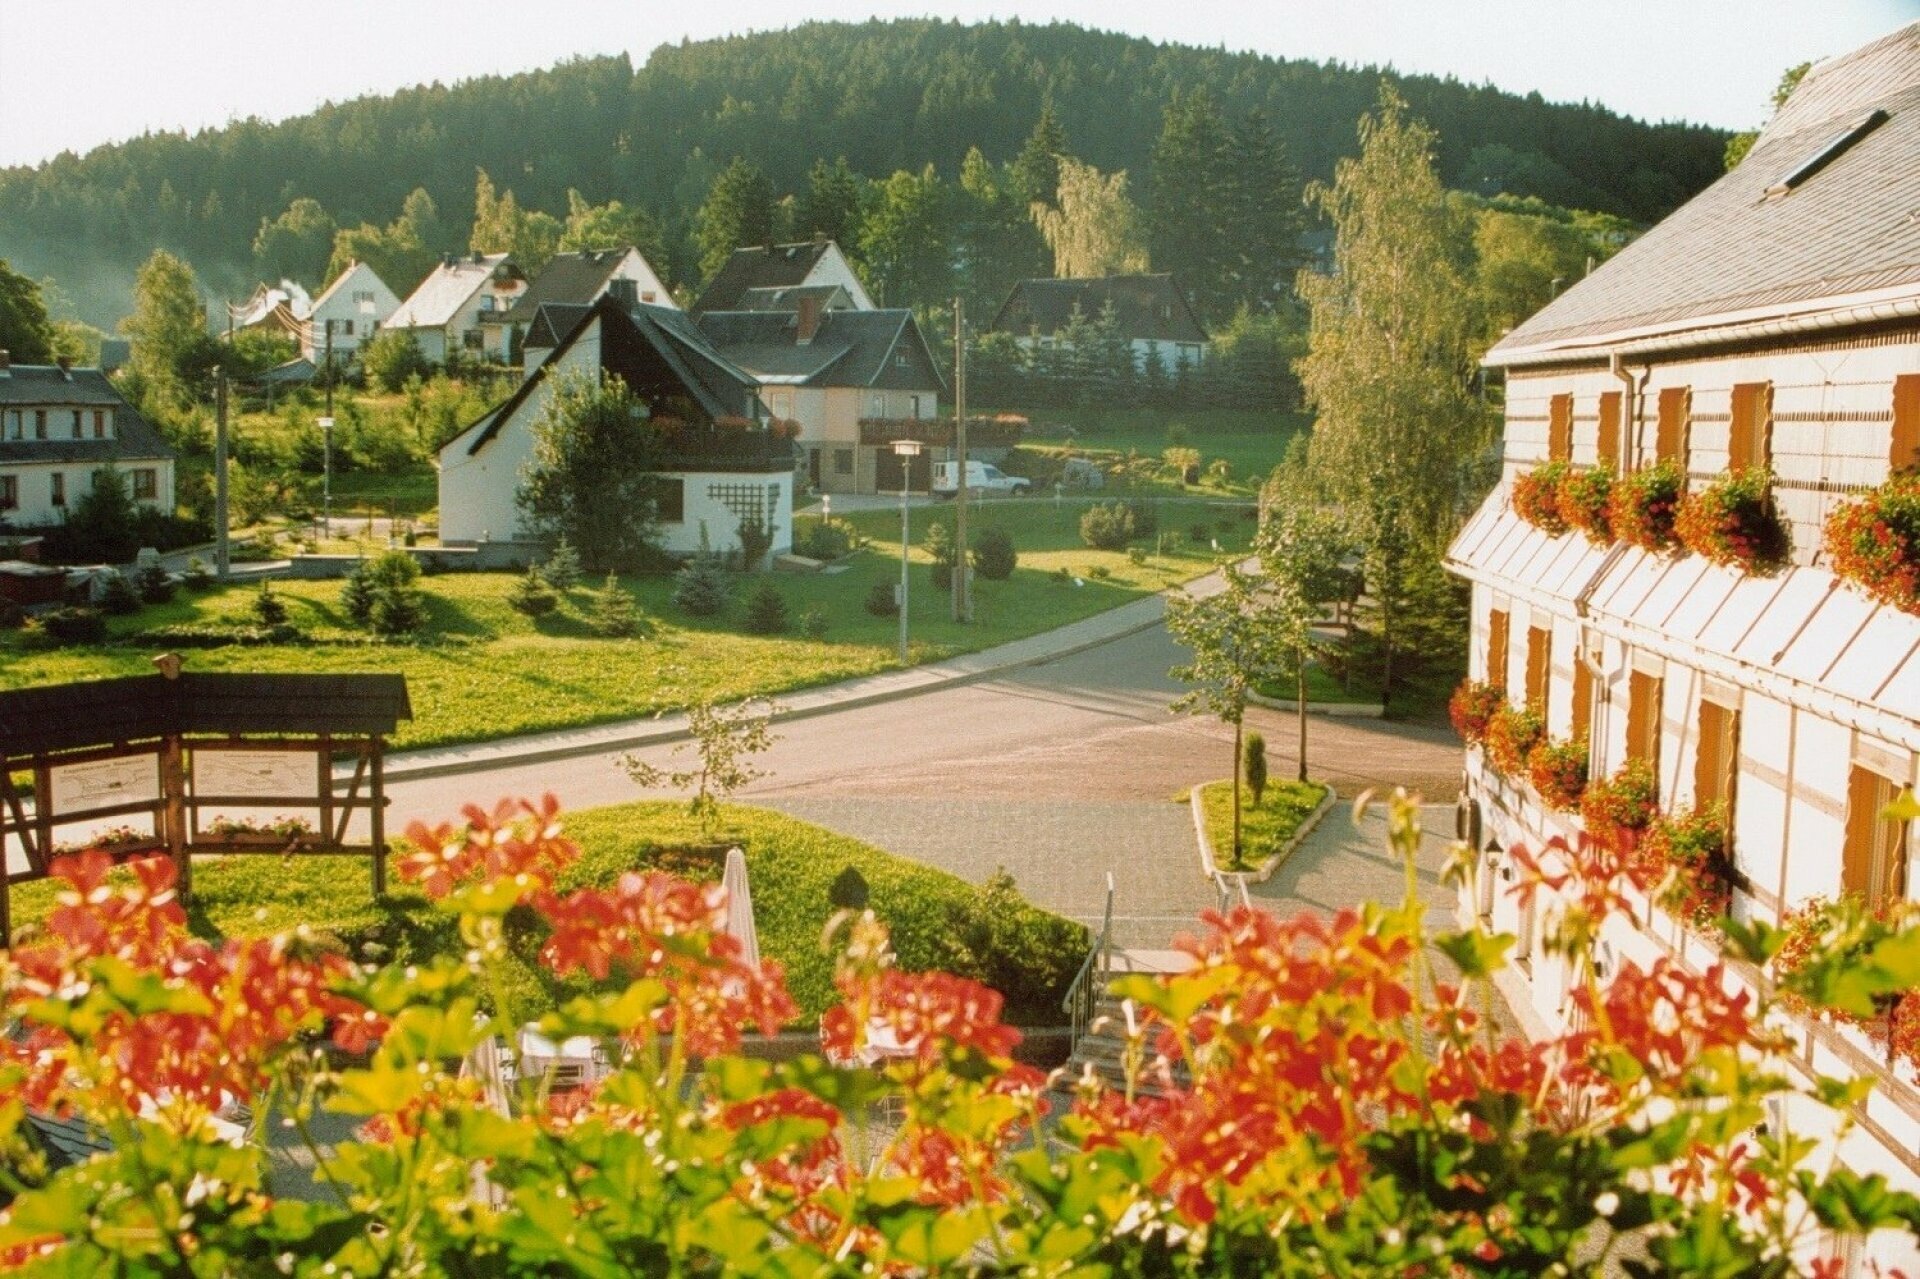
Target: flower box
{"points": [[1512, 733], [1472, 706], [1536, 497], [1558, 771], [1874, 543], [1584, 502], [1732, 523], [1625, 803], [1688, 853], [1642, 506]]}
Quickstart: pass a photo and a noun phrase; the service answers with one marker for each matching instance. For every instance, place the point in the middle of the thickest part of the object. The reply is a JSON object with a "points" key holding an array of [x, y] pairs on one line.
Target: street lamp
{"points": [[906, 451], [326, 482]]}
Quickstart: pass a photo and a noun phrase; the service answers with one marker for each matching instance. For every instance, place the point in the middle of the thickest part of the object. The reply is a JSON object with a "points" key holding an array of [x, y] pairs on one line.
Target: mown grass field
{"points": [[1264, 827], [938, 920], [1252, 443], [482, 671]]}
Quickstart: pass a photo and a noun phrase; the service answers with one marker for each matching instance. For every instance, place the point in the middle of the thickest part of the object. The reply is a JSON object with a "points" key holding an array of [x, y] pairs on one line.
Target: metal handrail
{"points": [[1096, 971], [1232, 890]]}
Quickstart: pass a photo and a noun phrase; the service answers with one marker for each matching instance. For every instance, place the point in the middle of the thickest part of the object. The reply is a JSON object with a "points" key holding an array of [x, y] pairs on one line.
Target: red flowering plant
{"points": [[1472, 707], [1512, 733], [1642, 506], [1732, 523], [1826, 962], [1584, 501], [1558, 771], [1309, 1098], [1874, 542], [1621, 806], [1688, 854], [1536, 497]]}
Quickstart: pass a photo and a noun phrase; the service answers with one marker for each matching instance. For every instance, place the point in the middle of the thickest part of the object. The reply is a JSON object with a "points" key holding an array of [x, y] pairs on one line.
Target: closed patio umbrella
{"points": [[740, 907]]}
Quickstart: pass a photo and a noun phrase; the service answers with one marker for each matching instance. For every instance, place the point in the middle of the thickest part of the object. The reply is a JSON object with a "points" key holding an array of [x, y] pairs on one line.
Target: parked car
{"points": [[982, 478]]}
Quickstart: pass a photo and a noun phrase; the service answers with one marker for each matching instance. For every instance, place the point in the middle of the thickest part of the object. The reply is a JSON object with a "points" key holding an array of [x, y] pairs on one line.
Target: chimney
{"points": [[478, 257], [66, 367], [446, 259], [625, 292], [819, 239], [807, 321]]}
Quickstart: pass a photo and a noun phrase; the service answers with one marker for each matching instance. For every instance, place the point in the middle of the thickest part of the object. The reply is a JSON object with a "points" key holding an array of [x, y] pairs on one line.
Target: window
{"points": [[669, 494], [1873, 862], [146, 484], [346, 327], [1828, 151], [916, 405], [1497, 623], [79, 430], [1644, 694], [59, 489], [13, 424], [877, 406], [1539, 667], [1750, 433], [1717, 764], [1560, 429], [39, 424], [9, 492], [99, 424], [1607, 449], [1676, 412], [1906, 422], [843, 461], [471, 339], [363, 296]]}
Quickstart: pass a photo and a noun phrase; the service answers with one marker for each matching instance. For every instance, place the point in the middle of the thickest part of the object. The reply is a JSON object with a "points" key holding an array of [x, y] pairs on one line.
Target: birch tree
{"points": [[1096, 230]]}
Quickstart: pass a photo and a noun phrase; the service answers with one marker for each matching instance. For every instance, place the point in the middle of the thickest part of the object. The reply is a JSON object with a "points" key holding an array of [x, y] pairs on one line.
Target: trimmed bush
{"points": [[1253, 765], [155, 584], [767, 611], [198, 576], [826, 540], [532, 596], [75, 625], [1107, 526], [813, 623], [268, 609], [701, 588], [880, 600], [616, 614], [994, 556], [562, 569], [116, 597]]}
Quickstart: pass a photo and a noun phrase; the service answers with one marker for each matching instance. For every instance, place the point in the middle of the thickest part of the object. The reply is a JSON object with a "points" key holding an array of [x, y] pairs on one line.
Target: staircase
{"points": [[1102, 1049]]}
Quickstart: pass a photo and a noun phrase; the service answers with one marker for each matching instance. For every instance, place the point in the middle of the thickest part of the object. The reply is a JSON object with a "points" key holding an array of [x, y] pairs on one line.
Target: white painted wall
{"points": [[343, 309], [833, 268], [703, 504], [34, 486]]}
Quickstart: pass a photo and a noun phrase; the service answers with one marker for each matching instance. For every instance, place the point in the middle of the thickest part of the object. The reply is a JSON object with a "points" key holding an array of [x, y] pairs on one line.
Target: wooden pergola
{"points": [[170, 754]]}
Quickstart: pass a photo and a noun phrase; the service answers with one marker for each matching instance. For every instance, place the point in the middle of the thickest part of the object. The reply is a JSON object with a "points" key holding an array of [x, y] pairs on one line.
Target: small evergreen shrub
{"points": [[532, 596], [849, 890], [75, 625], [397, 612], [116, 596], [155, 584], [356, 596], [1099, 572], [616, 614], [1107, 526], [268, 609], [198, 576], [1136, 555], [880, 600], [1061, 576], [994, 556], [767, 611], [381, 594], [1253, 765], [1146, 516], [939, 546], [701, 587], [562, 569], [813, 623]]}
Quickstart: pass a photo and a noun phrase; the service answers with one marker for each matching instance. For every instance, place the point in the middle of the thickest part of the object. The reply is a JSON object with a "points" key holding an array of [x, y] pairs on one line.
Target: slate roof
{"points": [[553, 321], [1734, 251], [48, 386], [850, 348], [570, 277], [1150, 308], [445, 291], [789, 299], [760, 267], [339, 282]]}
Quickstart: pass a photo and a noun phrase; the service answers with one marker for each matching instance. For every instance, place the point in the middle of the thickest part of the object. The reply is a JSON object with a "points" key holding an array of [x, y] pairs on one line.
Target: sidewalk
{"points": [[534, 748]]}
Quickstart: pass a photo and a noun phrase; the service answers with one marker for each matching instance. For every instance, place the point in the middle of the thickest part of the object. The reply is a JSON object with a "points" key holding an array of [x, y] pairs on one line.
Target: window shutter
{"points": [[1608, 449], [1906, 421], [1676, 403], [1560, 429]]}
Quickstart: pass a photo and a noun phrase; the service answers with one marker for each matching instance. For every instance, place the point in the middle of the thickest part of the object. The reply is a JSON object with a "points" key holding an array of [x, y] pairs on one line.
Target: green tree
{"points": [[1303, 553], [295, 245], [1096, 230], [168, 328], [738, 213], [1036, 170], [1261, 193], [500, 225], [832, 203], [1188, 231], [996, 241], [590, 476], [905, 242], [613, 225], [25, 332], [1521, 261], [392, 358], [725, 739], [402, 252]]}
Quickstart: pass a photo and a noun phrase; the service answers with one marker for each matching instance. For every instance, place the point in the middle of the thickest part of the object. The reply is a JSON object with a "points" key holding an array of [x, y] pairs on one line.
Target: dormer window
{"points": [[1829, 151]]}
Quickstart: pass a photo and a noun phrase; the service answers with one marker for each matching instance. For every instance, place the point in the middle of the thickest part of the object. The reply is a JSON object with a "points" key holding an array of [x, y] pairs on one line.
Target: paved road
{"points": [[1060, 773]]}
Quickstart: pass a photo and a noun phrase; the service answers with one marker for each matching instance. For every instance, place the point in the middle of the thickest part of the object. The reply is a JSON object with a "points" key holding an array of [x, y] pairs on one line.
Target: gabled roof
{"points": [[578, 278], [1740, 253], [340, 281], [552, 321], [773, 266], [442, 294], [1150, 308], [831, 297], [849, 348], [47, 385]]}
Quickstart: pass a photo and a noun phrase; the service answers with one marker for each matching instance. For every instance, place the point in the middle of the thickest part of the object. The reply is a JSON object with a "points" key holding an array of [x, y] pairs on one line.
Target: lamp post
{"points": [[326, 475], [906, 451]]}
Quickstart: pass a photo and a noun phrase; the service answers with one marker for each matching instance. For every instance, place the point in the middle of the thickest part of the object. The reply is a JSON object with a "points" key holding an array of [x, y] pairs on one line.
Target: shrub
{"points": [[1511, 736], [939, 546], [1201, 534], [1473, 704], [701, 587], [1146, 516], [1536, 497], [356, 596], [387, 575], [994, 556], [75, 625], [1689, 853], [826, 540], [391, 358], [532, 596], [268, 609], [849, 890], [616, 614], [756, 539], [116, 596], [813, 623], [1099, 572], [155, 584], [1623, 804], [1874, 543], [198, 576], [1583, 501], [1061, 576], [1558, 771], [1107, 526], [1253, 765], [12, 616], [1643, 505], [994, 937], [881, 601], [1220, 472], [767, 611], [1732, 523], [562, 569], [398, 611]]}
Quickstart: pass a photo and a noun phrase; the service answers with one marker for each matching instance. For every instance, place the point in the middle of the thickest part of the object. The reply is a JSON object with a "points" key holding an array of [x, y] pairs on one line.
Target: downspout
{"points": [[1629, 412]]}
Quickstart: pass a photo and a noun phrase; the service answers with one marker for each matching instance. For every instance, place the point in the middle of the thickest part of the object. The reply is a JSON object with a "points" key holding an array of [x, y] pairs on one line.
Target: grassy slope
{"points": [[790, 865], [1251, 442], [1263, 827]]}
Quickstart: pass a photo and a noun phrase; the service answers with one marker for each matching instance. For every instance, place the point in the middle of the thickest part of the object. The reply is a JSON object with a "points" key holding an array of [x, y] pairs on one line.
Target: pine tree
{"points": [[1036, 170], [767, 610], [1264, 216], [738, 213], [701, 586], [531, 595], [831, 205], [616, 614], [1187, 228], [562, 569]]}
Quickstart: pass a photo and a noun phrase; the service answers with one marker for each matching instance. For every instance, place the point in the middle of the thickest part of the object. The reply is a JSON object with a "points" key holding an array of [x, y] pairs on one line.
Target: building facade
{"points": [[58, 427], [1770, 327], [459, 311], [1152, 313], [354, 308]]}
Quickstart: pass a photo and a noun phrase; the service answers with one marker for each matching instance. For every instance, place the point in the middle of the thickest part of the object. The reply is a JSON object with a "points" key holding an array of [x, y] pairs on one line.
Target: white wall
{"points": [[833, 268], [341, 308], [702, 504], [35, 488], [646, 281]]}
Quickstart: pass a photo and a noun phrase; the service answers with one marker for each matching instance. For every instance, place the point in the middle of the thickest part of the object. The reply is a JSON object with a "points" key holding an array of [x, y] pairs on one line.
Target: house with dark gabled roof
{"points": [[58, 426], [1155, 317], [1768, 329], [836, 374], [722, 460], [781, 266], [581, 279]]}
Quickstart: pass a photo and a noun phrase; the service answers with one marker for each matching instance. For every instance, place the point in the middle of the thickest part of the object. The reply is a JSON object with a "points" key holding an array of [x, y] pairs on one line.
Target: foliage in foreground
{"points": [[1338, 1110]]}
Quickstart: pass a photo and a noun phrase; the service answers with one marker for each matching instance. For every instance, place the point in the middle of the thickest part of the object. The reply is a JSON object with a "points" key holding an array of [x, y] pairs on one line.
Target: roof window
{"points": [[1828, 151]]}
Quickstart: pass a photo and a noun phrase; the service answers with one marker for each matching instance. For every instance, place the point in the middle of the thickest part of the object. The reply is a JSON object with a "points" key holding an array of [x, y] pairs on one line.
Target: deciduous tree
{"points": [[590, 476], [25, 332], [1096, 230], [725, 739], [297, 244]]}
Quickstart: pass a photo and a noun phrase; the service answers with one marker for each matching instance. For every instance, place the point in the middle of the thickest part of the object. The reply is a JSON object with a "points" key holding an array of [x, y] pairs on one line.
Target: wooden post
{"points": [[173, 787], [377, 813], [326, 787]]}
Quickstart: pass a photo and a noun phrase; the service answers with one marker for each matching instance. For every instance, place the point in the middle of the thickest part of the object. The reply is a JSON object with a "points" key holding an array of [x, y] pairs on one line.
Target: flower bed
{"points": [[1689, 853], [1584, 501], [1536, 497], [1558, 771], [1732, 523], [1623, 804], [1874, 543], [1512, 734], [1641, 508], [1472, 707]]}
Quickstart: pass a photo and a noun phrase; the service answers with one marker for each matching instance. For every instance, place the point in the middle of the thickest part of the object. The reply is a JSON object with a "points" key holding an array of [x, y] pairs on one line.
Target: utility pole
{"points": [[326, 432], [962, 585], [221, 560]]}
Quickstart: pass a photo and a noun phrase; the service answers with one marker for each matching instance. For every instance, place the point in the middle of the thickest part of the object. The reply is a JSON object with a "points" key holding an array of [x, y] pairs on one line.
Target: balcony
{"points": [[730, 445]]}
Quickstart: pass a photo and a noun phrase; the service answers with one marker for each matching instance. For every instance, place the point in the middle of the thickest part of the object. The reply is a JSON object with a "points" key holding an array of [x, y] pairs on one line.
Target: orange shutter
{"points": [[1643, 719], [1582, 700], [1539, 667], [1906, 421], [1856, 862], [1750, 433], [1560, 429], [1497, 649], [1675, 405], [1608, 448]]}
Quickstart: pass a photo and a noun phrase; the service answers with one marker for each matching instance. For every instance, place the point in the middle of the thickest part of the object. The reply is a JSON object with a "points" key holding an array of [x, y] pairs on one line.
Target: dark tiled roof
{"points": [[554, 321], [29, 386], [789, 299], [578, 278], [776, 266], [1853, 226], [1150, 308], [850, 348]]}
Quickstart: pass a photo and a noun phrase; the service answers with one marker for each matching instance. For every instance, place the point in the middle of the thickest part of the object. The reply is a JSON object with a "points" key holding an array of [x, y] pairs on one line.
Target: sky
{"points": [[138, 65]]}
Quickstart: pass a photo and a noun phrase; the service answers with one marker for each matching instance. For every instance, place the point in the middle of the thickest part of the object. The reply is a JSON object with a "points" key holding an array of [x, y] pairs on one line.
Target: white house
{"points": [[1771, 323], [59, 425], [459, 310], [725, 462], [813, 262], [580, 280], [354, 307], [1154, 316]]}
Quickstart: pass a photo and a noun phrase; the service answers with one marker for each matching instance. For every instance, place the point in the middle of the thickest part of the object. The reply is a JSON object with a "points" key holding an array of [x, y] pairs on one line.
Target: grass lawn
{"points": [[412, 495], [483, 671], [938, 920], [1325, 687], [1264, 827], [1251, 442]]}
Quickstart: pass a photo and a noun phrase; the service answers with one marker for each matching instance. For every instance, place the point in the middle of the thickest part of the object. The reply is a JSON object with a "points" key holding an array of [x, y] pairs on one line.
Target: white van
{"points": [[982, 478]]}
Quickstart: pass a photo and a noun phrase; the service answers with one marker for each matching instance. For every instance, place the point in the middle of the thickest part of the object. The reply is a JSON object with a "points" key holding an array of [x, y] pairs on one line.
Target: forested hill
{"points": [[887, 95]]}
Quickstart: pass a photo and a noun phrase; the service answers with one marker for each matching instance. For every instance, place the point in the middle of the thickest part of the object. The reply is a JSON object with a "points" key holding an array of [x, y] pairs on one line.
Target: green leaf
{"points": [[1756, 941], [1478, 952]]}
